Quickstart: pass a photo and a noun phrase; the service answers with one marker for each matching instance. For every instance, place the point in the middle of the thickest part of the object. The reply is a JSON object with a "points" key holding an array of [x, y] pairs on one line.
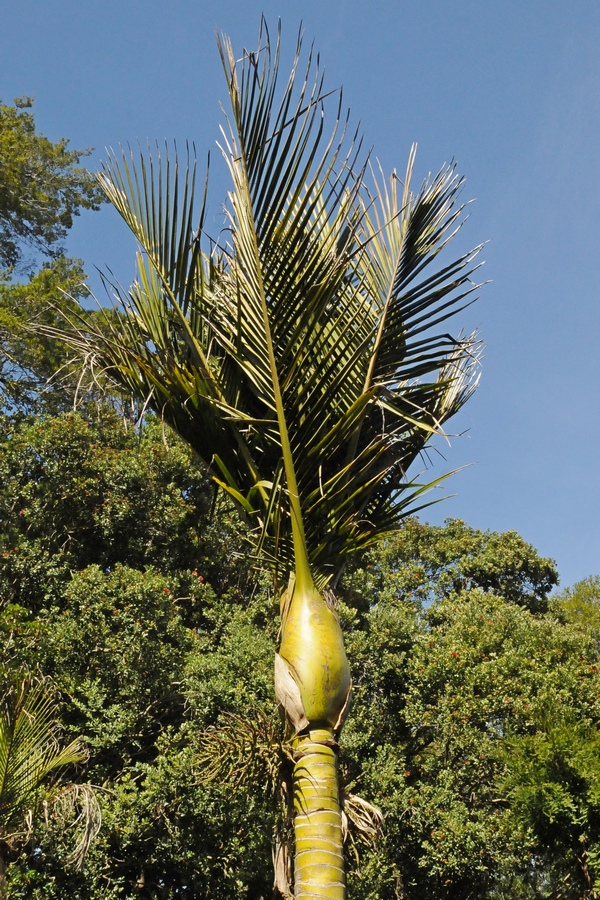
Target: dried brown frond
{"points": [[282, 867], [76, 807], [360, 819]]}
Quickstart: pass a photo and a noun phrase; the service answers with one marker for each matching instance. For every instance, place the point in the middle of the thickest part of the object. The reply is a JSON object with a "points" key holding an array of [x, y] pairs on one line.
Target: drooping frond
{"points": [[76, 807], [306, 355]]}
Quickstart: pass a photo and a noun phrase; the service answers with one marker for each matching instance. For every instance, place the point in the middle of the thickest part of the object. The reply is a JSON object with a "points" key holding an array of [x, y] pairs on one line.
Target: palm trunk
{"points": [[312, 683], [319, 862]]}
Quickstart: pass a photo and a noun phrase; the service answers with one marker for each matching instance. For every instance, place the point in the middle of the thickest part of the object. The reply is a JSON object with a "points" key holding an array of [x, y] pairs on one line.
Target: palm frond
{"points": [[307, 359], [29, 751], [242, 749]]}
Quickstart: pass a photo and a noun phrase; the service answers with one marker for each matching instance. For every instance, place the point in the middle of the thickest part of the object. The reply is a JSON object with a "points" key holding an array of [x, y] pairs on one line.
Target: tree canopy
{"points": [[474, 726], [42, 187]]}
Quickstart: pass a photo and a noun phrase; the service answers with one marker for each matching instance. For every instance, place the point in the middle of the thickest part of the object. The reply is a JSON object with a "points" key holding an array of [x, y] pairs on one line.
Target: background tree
{"points": [[458, 679], [477, 691], [42, 187], [91, 511], [38, 375], [428, 564], [580, 605], [462, 727]]}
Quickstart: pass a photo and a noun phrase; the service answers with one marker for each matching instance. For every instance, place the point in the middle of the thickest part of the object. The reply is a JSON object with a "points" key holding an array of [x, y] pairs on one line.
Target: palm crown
{"points": [[301, 354]]}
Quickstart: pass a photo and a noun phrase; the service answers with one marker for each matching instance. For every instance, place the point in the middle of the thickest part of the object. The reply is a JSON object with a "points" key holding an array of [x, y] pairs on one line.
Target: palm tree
{"points": [[297, 352], [30, 752]]}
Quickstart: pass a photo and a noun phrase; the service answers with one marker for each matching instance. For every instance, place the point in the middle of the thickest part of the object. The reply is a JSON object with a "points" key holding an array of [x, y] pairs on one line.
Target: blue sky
{"points": [[509, 89]]}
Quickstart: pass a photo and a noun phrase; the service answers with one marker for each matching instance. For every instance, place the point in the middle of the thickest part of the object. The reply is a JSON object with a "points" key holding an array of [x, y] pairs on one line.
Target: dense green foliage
{"points": [[42, 188], [91, 511], [474, 726], [28, 362]]}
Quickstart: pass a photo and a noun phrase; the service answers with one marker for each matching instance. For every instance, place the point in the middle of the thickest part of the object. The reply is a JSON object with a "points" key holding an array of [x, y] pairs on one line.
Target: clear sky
{"points": [[510, 89]]}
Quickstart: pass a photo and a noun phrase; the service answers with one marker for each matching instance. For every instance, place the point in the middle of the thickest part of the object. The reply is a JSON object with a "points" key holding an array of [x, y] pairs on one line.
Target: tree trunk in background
{"points": [[3, 888]]}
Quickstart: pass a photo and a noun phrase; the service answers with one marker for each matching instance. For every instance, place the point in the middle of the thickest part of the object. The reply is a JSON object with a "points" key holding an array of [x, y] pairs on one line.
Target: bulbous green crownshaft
{"points": [[312, 645], [313, 684]]}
